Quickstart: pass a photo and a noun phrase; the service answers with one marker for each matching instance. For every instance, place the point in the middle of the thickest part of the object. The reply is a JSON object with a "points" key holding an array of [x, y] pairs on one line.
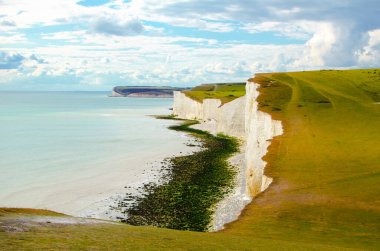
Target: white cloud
{"points": [[334, 45], [337, 30], [10, 60], [15, 60], [134, 40], [186, 65], [117, 26], [207, 25], [370, 55], [12, 38], [25, 13], [298, 30], [68, 36]]}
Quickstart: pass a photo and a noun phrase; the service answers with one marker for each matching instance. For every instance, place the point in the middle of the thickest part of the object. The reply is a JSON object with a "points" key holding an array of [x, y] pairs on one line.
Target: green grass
{"points": [[326, 166], [195, 183], [326, 169], [226, 92], [125, 237]]}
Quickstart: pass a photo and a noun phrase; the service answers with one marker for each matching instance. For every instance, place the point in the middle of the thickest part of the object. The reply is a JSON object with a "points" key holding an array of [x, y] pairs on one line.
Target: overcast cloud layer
{"points": [[79, 45]]}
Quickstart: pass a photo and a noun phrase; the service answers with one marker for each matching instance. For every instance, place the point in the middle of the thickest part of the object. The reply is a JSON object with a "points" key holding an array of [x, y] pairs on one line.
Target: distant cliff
{"points": [[145, 91]]}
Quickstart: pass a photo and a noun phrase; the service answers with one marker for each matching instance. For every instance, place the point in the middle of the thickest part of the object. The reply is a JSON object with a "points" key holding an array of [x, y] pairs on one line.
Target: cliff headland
{"points": [[309, 162]]}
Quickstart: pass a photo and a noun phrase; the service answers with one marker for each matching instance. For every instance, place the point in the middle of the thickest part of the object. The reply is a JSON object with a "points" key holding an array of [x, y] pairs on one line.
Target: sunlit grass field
{"points": [[226, 92], [326, 166], [326, 170]]}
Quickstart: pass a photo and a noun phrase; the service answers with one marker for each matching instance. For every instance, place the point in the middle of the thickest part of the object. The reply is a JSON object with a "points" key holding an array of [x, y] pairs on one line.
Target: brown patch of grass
{"points": [[30, 211]]}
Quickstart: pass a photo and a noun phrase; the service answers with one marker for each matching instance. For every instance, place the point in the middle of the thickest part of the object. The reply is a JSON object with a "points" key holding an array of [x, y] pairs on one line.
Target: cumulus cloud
{"points": [[10, 61], [370, 55], [335, 45], [117, 26], [37, 59], [145, 41], [364, 12], [338, 30], [14, 60], [298, 30], [8, 23], [12, 38], [68, 36], [25, 13]]}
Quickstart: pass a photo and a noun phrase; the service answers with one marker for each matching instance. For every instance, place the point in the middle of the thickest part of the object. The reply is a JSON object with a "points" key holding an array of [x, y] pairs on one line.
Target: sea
{"points": [[77, 152]]}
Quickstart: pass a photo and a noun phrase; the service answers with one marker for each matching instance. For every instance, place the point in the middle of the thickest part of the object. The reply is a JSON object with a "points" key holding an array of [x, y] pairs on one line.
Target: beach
{"points": [[78, 153]]}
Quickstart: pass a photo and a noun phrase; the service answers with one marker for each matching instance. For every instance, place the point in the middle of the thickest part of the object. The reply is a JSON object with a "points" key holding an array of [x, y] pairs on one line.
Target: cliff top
{"points": [[226, 92], [326, 164]]}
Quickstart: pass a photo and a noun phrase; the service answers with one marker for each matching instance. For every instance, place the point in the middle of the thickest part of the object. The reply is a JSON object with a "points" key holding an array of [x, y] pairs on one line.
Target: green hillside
{"points": [[226, 92], [326, 166], [326, 170]]}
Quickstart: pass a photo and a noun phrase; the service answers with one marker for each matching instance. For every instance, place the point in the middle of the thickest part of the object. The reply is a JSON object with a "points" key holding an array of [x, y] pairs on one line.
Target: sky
{"points": [[95, 45]]}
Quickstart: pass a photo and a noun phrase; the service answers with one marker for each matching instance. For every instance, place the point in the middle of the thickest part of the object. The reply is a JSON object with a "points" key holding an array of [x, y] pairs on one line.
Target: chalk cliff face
{"points": [[260, 128], [239, 118], [227, 119]]}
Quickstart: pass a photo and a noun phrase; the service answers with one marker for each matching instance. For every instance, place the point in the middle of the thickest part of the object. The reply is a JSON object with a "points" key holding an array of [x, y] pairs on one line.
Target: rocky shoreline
{"points": [[192, 186]]}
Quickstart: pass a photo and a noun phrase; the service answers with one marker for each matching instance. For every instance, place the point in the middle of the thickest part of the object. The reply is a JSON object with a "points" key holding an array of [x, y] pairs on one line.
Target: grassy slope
{"points": [[326, 168], [224, 92]]}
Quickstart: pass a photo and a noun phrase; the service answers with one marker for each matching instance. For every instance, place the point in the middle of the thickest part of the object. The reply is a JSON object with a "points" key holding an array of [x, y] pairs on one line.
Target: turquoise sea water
{"points": [[65, 150]]}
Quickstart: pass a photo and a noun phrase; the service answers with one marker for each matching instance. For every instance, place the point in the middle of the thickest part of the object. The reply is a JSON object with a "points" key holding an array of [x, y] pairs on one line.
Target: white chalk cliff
{"points": [[242, 119]]}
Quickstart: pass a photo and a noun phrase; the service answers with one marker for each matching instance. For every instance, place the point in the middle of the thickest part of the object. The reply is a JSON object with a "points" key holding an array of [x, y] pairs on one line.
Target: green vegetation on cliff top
{"points": [[326, 170], [226, 92]]}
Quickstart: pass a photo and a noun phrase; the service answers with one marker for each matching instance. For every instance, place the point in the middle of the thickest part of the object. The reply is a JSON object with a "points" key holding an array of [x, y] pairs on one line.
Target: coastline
{"points": [[243, 119], [76, 152], [110, 207], [94, 195], [260, 128], [106, 203], [229, 208], [193, 185], [315, 200]]}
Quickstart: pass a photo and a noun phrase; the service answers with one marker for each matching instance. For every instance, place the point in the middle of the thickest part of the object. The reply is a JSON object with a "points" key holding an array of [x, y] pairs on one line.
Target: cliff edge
{"points": [[242, 119]]}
